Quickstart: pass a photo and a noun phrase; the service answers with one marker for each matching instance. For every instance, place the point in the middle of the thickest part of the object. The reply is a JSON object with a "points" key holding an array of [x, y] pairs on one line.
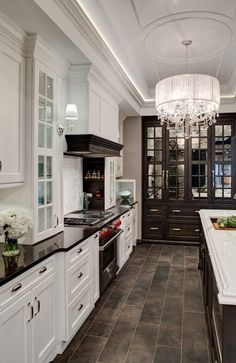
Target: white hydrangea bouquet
{"points": [[14, 224]]}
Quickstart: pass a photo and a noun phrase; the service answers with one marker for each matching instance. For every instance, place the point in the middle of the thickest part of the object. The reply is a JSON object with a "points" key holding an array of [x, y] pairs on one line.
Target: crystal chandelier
{"points": [[187, 101]]}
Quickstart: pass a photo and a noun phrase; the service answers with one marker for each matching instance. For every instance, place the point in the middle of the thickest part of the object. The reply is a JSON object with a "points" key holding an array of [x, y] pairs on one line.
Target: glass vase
{"points": [[10, 247]]}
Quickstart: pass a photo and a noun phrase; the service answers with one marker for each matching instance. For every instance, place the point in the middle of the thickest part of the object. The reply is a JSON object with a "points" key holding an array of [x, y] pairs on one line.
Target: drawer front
{"points": [[183, 212], [79, 310], [154, 211], [78, 252], [184, 231], [15, 288], [128, 231], [128, 247], [126, 218], [152, 229], [78, 276]]}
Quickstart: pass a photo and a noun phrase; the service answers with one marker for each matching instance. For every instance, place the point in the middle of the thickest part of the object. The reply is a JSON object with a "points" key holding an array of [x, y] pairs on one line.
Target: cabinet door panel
{"points": [[16, 332], [12, 135], [44, 322]]}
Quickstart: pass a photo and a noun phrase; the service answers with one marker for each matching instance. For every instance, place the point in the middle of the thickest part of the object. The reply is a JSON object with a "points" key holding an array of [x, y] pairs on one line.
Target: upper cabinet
{"points": [[97, 104], [12, 115]]}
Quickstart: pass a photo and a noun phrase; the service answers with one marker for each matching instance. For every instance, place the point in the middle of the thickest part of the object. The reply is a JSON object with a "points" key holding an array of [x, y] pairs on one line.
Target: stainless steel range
{"points": [[86, 218]]}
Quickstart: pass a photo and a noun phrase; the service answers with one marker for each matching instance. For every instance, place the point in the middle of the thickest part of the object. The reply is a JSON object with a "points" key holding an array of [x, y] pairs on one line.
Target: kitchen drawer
{"points": [[184, 231], [174, 212], [79, 310], [77, 276], [128, 247], [154, 211], [78, 252], [153, 229], [128, 231], [15, 288], [126, 218]]}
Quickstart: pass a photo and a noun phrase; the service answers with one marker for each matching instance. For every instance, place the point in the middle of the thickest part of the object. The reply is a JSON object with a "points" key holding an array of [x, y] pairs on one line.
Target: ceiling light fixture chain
{"points": [[188, 101]]}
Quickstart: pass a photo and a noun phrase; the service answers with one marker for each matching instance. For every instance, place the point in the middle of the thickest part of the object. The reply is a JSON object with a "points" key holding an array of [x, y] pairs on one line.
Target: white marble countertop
{"points": [[222, 250]]}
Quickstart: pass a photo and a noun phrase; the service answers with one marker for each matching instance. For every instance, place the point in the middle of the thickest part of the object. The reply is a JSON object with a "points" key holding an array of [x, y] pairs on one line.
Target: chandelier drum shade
{"points": [[187, 101]]}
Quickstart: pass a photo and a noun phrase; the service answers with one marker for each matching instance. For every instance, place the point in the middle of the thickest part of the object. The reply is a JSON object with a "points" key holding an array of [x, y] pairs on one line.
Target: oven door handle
{"points": [[102, 248]]}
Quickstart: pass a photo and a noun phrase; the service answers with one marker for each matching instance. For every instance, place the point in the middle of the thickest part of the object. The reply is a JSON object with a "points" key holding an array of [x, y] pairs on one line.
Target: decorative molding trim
{"points": [[79, 19], [37, 47], [12, 35]]}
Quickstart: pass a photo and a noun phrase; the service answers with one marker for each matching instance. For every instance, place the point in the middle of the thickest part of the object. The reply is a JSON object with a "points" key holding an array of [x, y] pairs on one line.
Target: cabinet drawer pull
{"points": [[29, 318], [197, 230], [0, 165], [43, 269], [154, 210], [154, 228], [80, 275], [196, 211], [96, 235], [176, 229], [176, 210], [80, 307], [129, 215], [39, 306], [16, 287], [128, 228], [79, 251]]}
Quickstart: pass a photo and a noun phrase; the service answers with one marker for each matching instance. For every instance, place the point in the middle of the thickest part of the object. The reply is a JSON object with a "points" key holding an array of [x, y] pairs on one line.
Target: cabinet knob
{"points": [[43, 269], [96, 235], [16, 287], [80, 275], [79, 251], [80, 307]]}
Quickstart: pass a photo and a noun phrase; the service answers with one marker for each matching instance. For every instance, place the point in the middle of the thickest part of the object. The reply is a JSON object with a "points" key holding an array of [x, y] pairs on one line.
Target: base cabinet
{"points": [[125, 240], [221, 319]]}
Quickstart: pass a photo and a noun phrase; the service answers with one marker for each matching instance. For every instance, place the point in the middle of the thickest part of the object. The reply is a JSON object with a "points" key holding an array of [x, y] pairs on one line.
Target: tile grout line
{"points": [[155, 348], [118, 314]]}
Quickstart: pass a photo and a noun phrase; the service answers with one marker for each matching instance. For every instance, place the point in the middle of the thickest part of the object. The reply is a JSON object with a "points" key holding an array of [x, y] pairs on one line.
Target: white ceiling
{"points": [[146, 35]]}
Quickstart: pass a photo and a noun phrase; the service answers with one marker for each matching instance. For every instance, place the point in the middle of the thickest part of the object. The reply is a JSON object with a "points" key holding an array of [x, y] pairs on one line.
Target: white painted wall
{"points": [[72, 183], [132, 137]]}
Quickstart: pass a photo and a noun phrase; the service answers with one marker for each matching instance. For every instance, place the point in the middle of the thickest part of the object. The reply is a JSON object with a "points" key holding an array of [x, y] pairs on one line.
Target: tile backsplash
{"points": [[72, 183]]}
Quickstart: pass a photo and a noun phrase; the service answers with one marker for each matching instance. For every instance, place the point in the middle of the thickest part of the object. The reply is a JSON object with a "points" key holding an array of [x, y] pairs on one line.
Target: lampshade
{"points": [[71, 112]]}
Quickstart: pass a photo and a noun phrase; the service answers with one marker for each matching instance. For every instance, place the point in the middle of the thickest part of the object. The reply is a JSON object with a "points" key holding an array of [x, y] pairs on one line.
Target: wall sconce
{"points": [[71, 114]]}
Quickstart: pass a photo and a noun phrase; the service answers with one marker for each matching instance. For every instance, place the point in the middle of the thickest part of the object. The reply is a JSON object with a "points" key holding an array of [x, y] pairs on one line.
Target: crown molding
{"points": [[38, 48], [78, 18], [13, 36]]}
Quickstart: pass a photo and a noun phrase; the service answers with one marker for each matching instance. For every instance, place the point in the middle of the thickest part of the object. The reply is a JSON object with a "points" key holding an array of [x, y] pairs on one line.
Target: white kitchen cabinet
{"points": [[16, 331], [125, 241], [12, 115], [135, 224], [95, 283], [28, 316], [110, 179]]}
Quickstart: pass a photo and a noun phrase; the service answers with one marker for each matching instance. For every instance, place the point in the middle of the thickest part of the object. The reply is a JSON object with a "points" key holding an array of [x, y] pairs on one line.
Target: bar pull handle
{"points": [[197, 230], [176, 229], [80, 307], [80, 275], [16, 287], [79, 251], [176, 210], [167, 178], [43, 269], [163, 178], [154, 228], [38, 306], [154, 210]]}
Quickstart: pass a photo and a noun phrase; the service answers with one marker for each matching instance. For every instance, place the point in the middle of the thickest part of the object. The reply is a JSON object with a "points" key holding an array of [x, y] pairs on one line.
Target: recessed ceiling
{"points": [[146, 38]]}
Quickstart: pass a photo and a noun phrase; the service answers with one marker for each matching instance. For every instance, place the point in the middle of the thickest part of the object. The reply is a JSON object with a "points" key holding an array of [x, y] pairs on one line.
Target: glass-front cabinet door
{"points": [[45, 217]]}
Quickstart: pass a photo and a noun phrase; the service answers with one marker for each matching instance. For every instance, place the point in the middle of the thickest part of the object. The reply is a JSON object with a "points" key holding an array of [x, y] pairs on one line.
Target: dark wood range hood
{"points": [[91, 146]]}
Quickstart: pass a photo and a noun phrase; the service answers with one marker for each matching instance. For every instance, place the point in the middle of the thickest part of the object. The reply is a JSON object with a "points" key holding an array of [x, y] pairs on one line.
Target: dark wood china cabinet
{"points": [[181, 176]]}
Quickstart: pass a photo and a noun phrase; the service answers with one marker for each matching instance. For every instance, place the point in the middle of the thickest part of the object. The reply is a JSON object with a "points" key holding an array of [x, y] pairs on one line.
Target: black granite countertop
{"points": [[31, 255]]}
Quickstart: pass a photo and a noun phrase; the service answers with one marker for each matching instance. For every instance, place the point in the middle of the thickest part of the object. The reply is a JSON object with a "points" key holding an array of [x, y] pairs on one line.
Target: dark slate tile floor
{"points": [[151, 313]]}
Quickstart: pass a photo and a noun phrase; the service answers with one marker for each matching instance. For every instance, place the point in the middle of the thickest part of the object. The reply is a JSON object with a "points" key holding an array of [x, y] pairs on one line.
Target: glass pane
{"points": [[172, 144], [158, 181], [150, 193], [227, 193], [180, 194], [227, 182], [41, 109], [41, 193], [172, 132], [180, 182], [218, 182], [49, 137], [49, 112], [218, 193], [158, 194], [227, 130], [181, 170], [41, 226], [42, 83], [49, 192], [227, 169], [172, 181], [150, 155], [158, 144], [49, 87], [151, 181], [158, 131], [49, 167], [49, 217], [227, 152], [218, 154], [158, 155], [180, 155], [150, 132], [150, 143], [158, 169], [218, 130], [41, 134], [150, 169], [172, 169], [203, 131], [41, 167]]}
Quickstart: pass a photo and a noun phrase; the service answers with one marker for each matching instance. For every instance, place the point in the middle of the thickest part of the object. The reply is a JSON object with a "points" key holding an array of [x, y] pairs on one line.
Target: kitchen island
{"points": [[217, 262]]}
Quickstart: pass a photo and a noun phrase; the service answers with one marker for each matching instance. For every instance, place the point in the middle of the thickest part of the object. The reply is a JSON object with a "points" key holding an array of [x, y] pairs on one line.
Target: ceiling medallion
{"points": [[188, 101]]}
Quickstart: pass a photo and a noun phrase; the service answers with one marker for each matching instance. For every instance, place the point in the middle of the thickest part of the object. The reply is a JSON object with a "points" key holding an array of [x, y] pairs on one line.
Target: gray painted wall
{"points": [[132, 138]]}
